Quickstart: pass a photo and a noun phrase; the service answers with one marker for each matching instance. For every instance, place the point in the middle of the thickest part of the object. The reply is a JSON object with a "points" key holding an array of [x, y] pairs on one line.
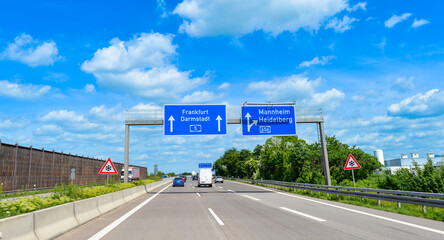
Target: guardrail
{"points": [[417, 198]]}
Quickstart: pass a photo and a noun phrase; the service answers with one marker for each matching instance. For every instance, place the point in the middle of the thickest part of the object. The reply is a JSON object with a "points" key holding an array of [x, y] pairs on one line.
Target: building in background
{"points": [[408, 162]]}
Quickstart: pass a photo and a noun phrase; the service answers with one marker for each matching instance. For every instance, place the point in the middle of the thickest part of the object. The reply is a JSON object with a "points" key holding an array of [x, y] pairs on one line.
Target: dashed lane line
{"points": [[216, 217], [303, 214], [256, 199]]}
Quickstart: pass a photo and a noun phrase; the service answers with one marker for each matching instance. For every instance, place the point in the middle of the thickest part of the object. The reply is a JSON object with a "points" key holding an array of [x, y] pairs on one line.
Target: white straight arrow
{"points": [[171, 119], [218, 122]]}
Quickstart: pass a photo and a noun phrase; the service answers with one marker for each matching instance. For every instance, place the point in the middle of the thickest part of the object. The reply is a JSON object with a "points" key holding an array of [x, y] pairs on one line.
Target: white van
{"points": [[205, 177]]}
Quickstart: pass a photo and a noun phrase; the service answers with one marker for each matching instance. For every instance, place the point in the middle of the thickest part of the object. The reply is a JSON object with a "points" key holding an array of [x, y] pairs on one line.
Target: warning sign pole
{"points": [[353, 174]]}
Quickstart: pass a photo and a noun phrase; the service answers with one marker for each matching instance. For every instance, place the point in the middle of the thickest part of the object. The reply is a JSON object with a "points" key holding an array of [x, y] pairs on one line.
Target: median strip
{"points": [[303, 214], [216, 217]]}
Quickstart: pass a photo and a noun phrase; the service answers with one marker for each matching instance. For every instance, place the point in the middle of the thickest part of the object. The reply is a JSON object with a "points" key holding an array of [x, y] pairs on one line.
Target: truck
{"points": [[205, 177], [133, 174]]}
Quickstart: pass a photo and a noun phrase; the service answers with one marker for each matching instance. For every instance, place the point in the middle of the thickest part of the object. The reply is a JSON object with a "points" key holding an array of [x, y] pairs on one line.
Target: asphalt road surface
{"points": [[233, 210]]}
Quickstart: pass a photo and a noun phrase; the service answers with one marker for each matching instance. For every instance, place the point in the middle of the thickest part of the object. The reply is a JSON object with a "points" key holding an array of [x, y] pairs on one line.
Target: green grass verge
{"points": [[433, 213], [63, 194]]}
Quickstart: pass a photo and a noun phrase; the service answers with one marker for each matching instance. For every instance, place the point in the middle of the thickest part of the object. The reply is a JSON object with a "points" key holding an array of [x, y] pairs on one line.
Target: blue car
{"points": [[178, 181]]}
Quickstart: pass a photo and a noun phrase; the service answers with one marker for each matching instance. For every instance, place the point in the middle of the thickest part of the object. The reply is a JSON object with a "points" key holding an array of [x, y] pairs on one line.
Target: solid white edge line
{"points": [[198, 194], [116, 223], [215, 217], [256, 199], [369, 214], [303, 214]]}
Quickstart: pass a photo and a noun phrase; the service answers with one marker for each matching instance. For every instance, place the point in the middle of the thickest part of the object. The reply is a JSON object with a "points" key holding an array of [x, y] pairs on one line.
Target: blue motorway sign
{"points": [[205, 165], [195, 120], [268, 120]]}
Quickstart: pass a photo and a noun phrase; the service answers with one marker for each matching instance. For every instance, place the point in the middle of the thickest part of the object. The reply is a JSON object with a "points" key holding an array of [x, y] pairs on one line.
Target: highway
{"points": [[233, 210]]}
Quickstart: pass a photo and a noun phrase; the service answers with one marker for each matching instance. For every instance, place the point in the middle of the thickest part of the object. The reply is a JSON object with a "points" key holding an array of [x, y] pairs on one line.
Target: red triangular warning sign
{"points": [[351, 163], [108, 168]]}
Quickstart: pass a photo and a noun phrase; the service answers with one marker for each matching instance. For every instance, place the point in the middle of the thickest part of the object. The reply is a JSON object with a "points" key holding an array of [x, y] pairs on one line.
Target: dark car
{"points": [[184, 178], [178, 181], [195, 177]]}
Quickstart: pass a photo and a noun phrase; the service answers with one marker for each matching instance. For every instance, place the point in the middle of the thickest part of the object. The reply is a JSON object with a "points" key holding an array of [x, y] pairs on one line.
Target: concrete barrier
{"points": [[128, 195], [118, 199], [18, 227], [105, 203], [52, 222], [86, 210]]}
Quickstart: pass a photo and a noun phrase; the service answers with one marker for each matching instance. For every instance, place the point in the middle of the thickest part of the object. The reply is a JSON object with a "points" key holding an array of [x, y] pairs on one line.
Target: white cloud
{"points": [[144, 50], [173, 140], [316, 61], [201, 97], [15, 124], [360, 5], [224, 86], [104, 114], [142, 157], [341, 25], [294, 87], [141, 67], [419, 23], [237, 18], [22, 91], [297, 88], [146, 106], [89, 88], [31, 52], [49, 130], [161, 5], [330, 97], [70, 121], [403, 83], [395, 19], [358, 98], [429, 104]]}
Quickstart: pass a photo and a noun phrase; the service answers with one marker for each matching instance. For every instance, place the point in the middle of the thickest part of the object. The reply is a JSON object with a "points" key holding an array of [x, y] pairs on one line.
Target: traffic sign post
{"points": [[352, 164], [195, 120], [268, 120], [108, 168]]}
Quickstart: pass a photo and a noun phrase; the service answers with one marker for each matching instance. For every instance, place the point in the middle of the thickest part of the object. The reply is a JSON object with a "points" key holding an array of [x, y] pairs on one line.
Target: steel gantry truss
{"points": [[146, 117]]}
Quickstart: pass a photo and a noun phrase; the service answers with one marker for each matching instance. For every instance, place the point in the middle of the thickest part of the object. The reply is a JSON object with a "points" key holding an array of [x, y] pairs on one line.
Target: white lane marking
{"points": [[193, 187], [256, 199], [215, 217], [116, 223], [198, 194], [369, 214], [220, 187], [230, 190], [303, 214]]}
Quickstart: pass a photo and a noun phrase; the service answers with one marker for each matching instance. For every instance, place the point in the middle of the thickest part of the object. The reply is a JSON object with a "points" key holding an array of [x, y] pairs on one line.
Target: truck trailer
{"points": [[133, 174]]}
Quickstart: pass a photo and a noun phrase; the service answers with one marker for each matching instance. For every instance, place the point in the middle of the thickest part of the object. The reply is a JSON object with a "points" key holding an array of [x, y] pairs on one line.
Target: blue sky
{"points": [[68, 72]]}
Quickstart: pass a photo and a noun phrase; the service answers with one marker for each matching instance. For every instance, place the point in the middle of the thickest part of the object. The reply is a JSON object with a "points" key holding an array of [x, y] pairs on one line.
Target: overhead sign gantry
{"points": [[256, 119]]}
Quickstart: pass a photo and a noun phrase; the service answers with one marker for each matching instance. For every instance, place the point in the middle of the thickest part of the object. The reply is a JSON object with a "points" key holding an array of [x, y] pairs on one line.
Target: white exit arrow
{"points": [[171, 119], [248, 116], [218, 122]]}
